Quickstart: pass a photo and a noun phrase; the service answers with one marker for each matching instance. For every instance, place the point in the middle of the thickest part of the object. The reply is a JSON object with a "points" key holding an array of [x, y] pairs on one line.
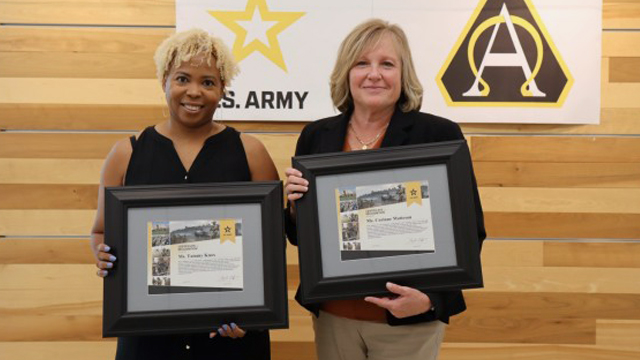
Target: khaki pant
{"points": [[339, 338]]}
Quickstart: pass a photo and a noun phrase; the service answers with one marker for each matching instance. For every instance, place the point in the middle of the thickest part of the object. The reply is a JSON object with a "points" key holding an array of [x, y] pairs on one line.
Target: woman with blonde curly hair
{"points": [[189, 147], [375, 86]]}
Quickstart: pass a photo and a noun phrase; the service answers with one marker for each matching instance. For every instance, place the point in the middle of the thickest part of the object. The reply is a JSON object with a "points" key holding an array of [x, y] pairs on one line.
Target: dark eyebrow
{"points": [[182, 73]]}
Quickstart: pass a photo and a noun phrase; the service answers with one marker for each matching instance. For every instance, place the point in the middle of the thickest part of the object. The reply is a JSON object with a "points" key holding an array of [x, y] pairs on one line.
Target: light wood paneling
{"points": [[50, 171], [45, 251], [75, 65], [559, 200], [620, 14], [512, 253], [49, 350], [523, 330], [90, 12], [46, 222], [556, 175], [552, 305], [562, 149], [38, 196], [533, 352], [90, 40], [562, 280], [621, 334], [562, 225], [603, 255], [620, 43], [625, 70]]}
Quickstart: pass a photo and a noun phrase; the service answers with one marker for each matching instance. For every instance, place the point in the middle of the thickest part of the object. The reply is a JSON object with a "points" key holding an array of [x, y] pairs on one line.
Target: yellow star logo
{"points": [[275, 23]]}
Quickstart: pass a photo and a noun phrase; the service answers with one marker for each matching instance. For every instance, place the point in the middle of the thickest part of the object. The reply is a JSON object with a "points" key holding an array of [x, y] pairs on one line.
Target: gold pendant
{"points": [[364, 147]]}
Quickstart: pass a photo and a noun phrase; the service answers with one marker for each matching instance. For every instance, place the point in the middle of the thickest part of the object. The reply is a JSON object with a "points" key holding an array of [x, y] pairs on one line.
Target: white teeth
{"points": [[192, 107]]}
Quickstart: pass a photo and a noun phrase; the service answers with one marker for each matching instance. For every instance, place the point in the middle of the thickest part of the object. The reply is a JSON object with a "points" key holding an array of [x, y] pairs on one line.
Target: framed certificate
{"points": [[194, 257], [403, 214]]}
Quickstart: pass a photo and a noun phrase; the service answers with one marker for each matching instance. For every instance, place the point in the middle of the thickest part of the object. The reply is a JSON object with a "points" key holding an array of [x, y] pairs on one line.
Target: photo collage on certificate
{"points": [[387, 218], [194, 256]]}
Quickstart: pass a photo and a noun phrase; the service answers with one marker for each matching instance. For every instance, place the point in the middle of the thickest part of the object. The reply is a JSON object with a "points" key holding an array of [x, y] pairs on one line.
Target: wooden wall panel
{"points": [[89, 12], [556, 149], [562, 225], [602, 255], [556, 175], [68, 350], [45, 251], [49, 171]]}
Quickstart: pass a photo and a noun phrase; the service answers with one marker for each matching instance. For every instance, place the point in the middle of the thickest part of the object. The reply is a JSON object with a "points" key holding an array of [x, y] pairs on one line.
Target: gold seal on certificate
{"points": [[194, 256], [385, 217]]}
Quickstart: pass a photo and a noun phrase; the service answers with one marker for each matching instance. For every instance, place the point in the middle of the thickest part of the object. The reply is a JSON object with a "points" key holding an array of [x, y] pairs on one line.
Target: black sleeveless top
{"points": [[155, 161]]}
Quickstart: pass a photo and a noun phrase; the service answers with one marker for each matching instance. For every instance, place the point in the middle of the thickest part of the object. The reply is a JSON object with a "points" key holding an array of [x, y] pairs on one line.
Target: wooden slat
{"points": [[90, 12], [45, 251], [51, 328], [533, 352], [624, 69], [57, 146], [562, 225], [620, 95], [97, 40], [526, 329], [562, 280], [556, 149], [580, 175], [620, 43], [75, 65], [284, 350], [38, 196], [558, 200], [621, 334], [512, 253], [50, 171], [546, 305], [49, 350], [46, 222], [604, 255], [620, 14], [74, 91]]}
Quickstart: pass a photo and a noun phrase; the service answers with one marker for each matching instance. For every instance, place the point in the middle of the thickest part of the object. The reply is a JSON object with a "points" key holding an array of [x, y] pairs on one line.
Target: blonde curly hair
{"points": [[183, 46]]}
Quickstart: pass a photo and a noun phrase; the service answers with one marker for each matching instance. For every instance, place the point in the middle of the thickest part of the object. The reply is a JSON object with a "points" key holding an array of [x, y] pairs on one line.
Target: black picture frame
{"points": [[464, 272], [272, 313]]}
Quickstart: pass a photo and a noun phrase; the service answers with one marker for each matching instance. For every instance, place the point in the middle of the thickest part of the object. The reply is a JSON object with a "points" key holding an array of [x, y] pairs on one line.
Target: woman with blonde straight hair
{"points": [[375, 86]]}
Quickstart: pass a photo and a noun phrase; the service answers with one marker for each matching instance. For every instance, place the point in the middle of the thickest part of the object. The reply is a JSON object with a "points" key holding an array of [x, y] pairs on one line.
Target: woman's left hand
{"points": [[232, 330], [409, 302]]}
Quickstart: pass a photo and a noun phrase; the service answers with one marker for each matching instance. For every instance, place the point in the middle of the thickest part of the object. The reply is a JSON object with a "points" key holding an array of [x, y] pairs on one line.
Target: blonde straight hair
{"points": [[362, 38]]}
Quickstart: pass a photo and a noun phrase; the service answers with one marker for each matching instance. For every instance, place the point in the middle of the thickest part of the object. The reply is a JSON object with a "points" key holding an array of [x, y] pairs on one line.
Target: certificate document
{"points": [[390, 218], [194, 256]]}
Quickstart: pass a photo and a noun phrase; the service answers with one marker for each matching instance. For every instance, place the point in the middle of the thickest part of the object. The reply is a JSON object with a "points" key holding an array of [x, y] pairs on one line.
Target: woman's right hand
{"points": [[296, 185], [105, 260]]}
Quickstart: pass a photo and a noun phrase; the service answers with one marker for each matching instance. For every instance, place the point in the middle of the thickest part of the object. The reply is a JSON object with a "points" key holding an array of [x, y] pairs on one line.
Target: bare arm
{"points": [[112, 174], [260, 163]]}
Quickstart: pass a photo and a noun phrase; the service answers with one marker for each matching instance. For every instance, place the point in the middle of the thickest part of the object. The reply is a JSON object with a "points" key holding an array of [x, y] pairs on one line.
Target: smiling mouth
{"points": [[193, 108]]}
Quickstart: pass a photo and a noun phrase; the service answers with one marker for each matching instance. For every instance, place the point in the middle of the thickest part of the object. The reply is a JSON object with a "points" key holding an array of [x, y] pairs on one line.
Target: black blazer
{"points": [[328, 135]]}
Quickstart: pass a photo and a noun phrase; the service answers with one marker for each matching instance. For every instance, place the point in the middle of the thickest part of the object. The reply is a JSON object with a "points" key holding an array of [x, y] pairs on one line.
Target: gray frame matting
{"points": [[445, 254], [138, 298]]}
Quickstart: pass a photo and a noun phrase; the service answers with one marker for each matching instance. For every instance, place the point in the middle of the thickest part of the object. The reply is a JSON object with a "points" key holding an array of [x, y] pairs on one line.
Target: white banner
{"points": [[518, 61]]}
